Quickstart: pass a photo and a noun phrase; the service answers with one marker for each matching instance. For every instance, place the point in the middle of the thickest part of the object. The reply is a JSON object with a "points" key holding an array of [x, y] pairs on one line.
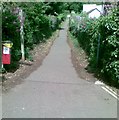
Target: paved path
{"points": [[55, 90]]}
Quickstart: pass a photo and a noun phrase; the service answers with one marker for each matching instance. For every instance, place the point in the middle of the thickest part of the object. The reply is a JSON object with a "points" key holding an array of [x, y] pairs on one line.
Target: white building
{"points": [[93, 10]]}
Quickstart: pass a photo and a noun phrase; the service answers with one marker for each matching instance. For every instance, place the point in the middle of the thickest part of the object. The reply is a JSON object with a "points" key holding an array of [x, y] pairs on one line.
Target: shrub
{"points": [[37, 27], [99, 38]]}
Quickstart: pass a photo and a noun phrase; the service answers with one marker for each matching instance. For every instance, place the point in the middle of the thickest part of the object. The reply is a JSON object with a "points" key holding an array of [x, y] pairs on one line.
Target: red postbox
{"points": [[6, 56]]}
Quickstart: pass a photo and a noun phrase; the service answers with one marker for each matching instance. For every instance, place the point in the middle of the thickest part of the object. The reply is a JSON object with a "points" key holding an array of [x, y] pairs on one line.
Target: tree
{"points": [[76, 6]]}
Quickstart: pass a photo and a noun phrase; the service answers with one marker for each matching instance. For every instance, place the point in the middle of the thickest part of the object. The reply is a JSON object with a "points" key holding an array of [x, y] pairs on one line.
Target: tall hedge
{"points": [[37, 27], [100, 39]]}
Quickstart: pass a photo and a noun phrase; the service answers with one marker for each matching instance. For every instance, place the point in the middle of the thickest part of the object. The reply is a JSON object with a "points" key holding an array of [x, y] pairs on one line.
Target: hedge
{"points": [[100, 39], [38, 26]]}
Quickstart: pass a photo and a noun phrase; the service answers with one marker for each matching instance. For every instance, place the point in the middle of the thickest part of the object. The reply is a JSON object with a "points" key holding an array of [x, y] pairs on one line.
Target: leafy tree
{"points": [[76, 6], [37, 26]]}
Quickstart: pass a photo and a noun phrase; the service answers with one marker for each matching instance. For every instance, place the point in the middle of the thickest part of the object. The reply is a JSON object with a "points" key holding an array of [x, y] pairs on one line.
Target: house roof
{"points": [[93, 10]]}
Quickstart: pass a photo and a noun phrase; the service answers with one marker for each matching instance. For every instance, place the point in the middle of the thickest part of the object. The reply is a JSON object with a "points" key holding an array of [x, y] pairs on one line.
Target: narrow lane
{"points": [[54, 90]]}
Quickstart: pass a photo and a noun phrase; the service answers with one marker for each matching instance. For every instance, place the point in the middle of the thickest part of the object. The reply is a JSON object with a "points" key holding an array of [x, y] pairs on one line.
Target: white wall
{"points": [[88, 7], [95, 13]]}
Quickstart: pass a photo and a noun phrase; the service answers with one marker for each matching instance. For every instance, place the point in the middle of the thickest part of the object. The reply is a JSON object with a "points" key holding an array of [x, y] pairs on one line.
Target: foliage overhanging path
{"points": [[100, 40], [39, 21], [55, 90]]}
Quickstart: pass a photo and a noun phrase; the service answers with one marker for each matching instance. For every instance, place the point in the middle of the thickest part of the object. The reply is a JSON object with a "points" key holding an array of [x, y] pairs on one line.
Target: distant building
{"points": [[93, 10]]}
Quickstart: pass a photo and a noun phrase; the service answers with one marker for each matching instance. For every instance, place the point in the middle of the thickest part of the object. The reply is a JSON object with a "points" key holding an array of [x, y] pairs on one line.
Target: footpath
{"points": [[55, 90]]}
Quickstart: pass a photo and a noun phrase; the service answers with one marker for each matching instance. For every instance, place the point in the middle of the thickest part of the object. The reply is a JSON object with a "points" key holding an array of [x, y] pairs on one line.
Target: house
{"points": [[93, 10]]}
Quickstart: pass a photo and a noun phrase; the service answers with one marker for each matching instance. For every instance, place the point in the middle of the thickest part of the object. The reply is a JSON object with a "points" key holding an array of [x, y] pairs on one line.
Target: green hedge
{"points": [[37, 28], [100, 39]]}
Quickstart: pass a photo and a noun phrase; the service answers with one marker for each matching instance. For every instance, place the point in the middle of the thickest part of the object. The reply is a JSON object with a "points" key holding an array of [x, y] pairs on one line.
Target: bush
{"points": [[99, 38], [37, 28], [10, 32]]}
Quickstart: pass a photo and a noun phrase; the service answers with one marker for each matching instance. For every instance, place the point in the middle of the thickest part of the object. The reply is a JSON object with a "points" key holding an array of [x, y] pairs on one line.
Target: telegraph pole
{"points": [[22, 34]]}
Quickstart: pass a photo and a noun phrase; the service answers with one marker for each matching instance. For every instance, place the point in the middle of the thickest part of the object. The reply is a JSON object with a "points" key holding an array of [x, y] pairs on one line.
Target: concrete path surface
{"points": [[54, 90]]}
